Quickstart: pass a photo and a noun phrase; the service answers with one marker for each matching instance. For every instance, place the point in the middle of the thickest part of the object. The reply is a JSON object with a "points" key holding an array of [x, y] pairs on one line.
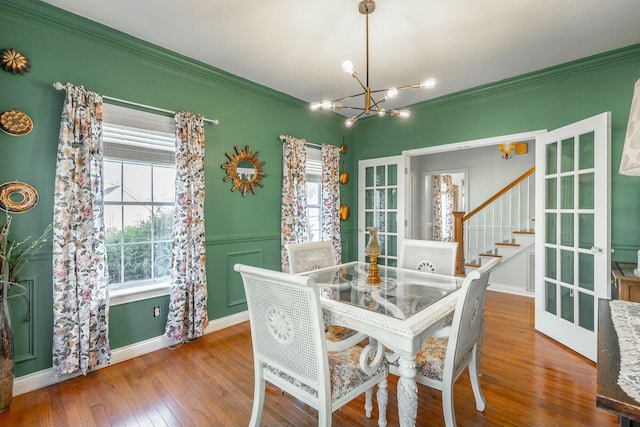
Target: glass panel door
{"points": [[572, 238], [380, 205]]}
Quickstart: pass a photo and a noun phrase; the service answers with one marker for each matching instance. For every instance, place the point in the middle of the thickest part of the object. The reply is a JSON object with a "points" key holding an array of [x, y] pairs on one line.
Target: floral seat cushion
{"points": [[344, 373], [430, 360], [338, 333]]}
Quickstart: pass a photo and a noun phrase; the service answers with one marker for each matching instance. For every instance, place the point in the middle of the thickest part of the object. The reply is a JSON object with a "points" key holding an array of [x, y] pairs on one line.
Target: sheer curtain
{"points": [[331, 197], [443, 208], [80, 277], [187, 316], [293, 218]]}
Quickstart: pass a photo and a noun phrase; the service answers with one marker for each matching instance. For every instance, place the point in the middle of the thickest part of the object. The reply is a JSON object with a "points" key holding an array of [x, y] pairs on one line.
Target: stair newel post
{"points": [[458, 236]]}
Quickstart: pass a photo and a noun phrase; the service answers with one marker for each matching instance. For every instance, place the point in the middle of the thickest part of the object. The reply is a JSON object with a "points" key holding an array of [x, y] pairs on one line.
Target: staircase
{"points": [[503, 226], [504, 250]]}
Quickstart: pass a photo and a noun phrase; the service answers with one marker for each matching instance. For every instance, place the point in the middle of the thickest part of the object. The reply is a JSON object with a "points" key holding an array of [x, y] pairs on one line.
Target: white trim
{"points": [[506, 289], [127, 294], [46, 377], [475, 143]]}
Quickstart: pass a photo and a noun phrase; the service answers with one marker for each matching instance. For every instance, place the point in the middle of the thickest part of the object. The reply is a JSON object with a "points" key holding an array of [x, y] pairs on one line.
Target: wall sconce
{"points": [[507, 150]]}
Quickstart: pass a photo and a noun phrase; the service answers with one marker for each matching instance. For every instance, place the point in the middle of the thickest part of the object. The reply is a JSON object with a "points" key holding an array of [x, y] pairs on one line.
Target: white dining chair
{"points": [[430, 256], [289, 349], [308, 256], [443, 358]]}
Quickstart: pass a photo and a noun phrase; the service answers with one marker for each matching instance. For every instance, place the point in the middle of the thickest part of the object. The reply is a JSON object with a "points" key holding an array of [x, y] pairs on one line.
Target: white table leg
{"points": [[407, 392]]}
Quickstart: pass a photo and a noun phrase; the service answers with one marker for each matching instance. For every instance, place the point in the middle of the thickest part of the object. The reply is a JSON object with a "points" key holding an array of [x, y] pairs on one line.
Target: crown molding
{"points": [[536, 79], [52, 17]]}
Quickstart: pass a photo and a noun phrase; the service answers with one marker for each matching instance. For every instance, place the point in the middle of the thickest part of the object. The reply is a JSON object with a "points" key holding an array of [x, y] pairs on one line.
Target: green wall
{"points": [[66, 48], [547, 99]]}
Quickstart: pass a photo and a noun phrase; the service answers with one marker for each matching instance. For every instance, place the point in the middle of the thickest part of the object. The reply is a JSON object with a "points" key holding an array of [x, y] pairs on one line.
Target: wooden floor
{"points": [[528, 380]]}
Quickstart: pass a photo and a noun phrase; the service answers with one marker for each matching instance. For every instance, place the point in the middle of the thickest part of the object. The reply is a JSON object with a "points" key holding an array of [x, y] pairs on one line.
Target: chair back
{"points": [[466, 327], [431, 256], [287, 329], [310, 256]]}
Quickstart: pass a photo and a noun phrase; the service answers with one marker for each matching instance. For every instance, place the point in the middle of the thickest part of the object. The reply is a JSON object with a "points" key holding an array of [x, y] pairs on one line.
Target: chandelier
{"points": [[371, 104]]}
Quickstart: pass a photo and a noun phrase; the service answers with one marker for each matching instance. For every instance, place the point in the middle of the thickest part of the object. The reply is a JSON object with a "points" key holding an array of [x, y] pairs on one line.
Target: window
{"points": [[314, 194], [139, 195]]}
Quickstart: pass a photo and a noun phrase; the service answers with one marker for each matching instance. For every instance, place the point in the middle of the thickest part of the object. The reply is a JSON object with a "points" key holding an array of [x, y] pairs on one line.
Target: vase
{"points": [[6, 352], [373, 251]]}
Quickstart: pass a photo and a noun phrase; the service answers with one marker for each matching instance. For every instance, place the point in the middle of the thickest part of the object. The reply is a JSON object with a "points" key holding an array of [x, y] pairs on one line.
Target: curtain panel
{"points": [[331, 198], [443, 208], [80, 276], [293, 217], [187, 316]]}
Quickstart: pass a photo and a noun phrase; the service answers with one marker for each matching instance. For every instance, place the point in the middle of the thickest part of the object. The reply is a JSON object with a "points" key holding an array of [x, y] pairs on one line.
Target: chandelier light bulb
{"points": [[347, 66], [350, 122], [381, 111], [326, 104], [392, 92], [315, 106], [428, 84], [403, 114]]}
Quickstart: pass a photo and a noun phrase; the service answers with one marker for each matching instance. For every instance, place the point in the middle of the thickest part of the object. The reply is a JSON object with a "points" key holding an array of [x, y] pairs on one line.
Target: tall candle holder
{"points": [[373, 252]]}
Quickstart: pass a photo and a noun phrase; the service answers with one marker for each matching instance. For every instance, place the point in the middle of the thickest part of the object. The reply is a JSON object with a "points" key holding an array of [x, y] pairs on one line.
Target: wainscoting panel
{"points": [[235, 288], [24, 317]]}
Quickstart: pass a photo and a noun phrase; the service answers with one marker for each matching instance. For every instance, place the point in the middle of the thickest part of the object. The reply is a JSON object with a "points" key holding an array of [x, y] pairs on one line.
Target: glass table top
{"points": [[401, 294]]}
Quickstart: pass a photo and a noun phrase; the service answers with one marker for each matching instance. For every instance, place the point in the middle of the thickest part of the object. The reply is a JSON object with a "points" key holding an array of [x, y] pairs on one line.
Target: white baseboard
{"points": [[510, 290], [46, 377]]}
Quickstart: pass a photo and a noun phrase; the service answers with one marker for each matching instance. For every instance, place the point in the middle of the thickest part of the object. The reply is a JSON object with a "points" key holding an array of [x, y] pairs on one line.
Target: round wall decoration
{"points": [[244, 170], [15, 123], [17, 197], [14, 62]]}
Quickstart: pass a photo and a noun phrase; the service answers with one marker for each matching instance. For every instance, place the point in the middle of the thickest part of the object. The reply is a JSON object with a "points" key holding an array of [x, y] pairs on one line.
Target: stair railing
{"points": [[510, 209]]}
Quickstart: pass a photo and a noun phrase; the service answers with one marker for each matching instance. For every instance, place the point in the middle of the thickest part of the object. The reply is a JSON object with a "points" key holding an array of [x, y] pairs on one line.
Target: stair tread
{"points": [[507, 244], [491, 255], [524, 232], [472, 265]]}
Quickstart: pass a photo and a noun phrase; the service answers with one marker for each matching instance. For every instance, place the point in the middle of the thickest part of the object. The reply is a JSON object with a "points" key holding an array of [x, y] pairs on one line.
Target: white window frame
{"points": [[313, 174], [158, 152]]}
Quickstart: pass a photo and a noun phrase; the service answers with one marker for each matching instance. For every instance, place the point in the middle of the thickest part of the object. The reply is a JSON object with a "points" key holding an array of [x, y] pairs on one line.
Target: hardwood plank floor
{"points": [[528, 380]]}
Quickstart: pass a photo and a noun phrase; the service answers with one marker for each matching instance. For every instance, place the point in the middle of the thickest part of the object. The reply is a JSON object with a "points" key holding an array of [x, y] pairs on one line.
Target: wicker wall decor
{"points": [[15, 123], [17, 197], [14, 62]]}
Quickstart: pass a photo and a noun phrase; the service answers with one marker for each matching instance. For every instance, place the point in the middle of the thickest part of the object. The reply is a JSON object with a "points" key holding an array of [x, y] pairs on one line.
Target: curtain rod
{"points": [[282, 138], [60, 86]]}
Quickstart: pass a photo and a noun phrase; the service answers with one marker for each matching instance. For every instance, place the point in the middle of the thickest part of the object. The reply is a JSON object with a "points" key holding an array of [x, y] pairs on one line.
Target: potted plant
{"points": [[13, 257]]}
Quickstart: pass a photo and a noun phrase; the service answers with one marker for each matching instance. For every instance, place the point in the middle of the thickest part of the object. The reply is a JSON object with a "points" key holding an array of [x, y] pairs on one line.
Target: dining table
{"points": [[400, 312]]}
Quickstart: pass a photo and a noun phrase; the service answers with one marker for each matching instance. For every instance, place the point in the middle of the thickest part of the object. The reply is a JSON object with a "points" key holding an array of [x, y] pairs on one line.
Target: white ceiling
{"points": [[297, 47]]}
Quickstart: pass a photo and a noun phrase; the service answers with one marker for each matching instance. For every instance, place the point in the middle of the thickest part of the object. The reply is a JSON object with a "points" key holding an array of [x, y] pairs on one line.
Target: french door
{"points": [[572, 231], [381, 205]]}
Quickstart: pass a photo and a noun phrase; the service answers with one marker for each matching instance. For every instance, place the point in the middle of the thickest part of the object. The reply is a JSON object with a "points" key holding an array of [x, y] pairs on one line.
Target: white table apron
{"points": [[403, 337]]}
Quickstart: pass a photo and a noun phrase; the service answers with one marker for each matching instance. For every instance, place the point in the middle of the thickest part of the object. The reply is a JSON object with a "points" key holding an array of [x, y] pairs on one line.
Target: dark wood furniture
{"points": [[627, 284], [609, 395]]}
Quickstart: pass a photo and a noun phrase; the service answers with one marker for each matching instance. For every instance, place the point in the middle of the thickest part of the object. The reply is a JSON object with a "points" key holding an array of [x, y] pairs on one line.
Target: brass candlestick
{"points": [[373, 251]]}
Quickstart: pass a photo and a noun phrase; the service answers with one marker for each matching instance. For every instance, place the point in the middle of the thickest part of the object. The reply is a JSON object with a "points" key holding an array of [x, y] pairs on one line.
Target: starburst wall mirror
{"points": [[244, 170]]}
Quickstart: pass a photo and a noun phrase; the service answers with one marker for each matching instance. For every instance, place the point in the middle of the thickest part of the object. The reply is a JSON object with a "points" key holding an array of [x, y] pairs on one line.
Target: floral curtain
{"points": [[331, 197], [443, 208], [80, 277], [293, 218], [187, 317]]}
